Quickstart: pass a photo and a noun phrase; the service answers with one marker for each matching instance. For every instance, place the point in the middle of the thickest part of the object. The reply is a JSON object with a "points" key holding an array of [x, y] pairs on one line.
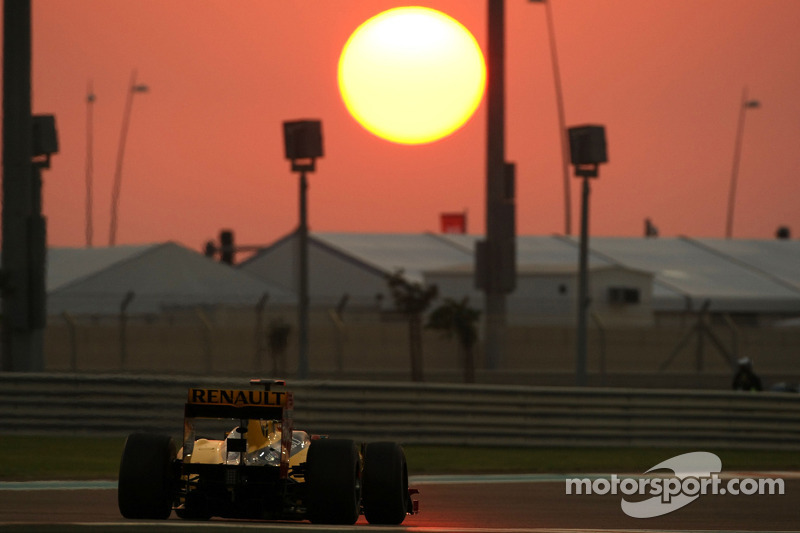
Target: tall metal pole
{"points": [[587, 152], [583, 289], [737, 150], [303, 144], [90, 98], [302, 304], [495, 300], [22, 350], [562, 124], [115, 192]]}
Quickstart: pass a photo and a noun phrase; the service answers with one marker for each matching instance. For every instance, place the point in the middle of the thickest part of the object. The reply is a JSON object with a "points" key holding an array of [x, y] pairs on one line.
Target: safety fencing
{"points": [[419, 413]]}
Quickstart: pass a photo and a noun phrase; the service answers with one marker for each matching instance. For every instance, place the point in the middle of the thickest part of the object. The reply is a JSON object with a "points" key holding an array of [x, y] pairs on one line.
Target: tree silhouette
{"points": [[412, 299], [458, 319]]}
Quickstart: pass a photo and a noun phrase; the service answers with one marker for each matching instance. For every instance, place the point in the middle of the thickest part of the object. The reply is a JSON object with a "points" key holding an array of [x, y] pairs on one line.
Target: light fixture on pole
{"points": [[737, 151], [562, 127], [587, 151], [133, 88], [303, 143]]}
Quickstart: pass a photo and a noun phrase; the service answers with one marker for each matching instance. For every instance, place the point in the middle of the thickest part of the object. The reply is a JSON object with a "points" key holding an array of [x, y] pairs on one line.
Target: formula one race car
{"points": [[259, 466]]}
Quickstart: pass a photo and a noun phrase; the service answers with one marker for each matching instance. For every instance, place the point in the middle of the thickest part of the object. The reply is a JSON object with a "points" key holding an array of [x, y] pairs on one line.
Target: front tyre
{"points": [[385, 493], [145, 488], [333, 482]]}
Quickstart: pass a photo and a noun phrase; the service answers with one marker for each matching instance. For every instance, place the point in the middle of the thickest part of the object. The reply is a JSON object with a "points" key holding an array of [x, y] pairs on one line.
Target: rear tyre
{"points": [[146, 486], [385, 494], [333, 482]]}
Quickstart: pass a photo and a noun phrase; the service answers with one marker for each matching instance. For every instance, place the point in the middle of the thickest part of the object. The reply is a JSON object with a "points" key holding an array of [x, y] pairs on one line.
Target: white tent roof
{"points": [[539, 250], [67, 265], [685, 267], [777, 259], [734, 275], [96, 280], [412, 252], [426, 252]]}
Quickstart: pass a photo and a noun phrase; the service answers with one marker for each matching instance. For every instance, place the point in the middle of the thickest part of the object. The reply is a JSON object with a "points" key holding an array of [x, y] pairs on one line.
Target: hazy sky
{"points": [[205, 147]]}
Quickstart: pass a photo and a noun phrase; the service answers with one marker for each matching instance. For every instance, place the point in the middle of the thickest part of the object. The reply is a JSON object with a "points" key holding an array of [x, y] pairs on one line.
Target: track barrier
{"points": [[419, 413]]}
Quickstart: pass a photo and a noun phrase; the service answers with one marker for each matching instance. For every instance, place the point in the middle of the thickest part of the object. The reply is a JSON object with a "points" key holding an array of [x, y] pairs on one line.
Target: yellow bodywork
{"points": [[260, 434], [208, 452]]}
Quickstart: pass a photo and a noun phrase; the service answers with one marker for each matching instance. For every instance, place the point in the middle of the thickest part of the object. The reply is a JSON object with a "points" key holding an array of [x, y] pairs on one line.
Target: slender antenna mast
{"points": [[133, 88], [90, 98]]}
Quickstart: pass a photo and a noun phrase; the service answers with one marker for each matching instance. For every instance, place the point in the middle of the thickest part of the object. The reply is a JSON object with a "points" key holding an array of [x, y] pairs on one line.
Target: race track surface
{"points": [[448, 504]]}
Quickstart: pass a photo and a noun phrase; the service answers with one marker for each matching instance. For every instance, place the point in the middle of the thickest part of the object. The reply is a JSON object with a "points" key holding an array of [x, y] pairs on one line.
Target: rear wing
{"points": [[237, 403]]}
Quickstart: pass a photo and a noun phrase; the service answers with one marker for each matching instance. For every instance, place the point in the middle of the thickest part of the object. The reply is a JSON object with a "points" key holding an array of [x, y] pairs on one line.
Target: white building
{"points": [[632, 280]]}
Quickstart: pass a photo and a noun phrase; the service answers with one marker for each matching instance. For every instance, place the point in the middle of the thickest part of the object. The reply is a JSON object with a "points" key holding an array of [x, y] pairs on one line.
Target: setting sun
{"points": [[412, 75]]}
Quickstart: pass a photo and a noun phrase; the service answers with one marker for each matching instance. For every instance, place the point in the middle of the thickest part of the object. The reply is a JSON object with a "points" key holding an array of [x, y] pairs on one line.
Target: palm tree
{"points": [[412, 299], [458, 319]]}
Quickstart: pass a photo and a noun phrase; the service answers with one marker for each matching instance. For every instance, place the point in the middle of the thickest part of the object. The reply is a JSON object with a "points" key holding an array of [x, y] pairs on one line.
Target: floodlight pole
{"points": [[561, 116], [562, 121], [90, 99], [303, 144], [587, 151], [302, 304], [133, 88], [737, 152], [583, 282]]}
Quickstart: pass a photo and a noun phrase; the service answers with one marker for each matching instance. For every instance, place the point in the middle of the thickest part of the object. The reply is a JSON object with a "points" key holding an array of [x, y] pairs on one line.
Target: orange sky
{"points": [[205, 148]]}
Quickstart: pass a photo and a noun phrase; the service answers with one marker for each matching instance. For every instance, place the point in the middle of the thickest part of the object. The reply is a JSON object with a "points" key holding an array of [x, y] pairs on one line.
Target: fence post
{"points": [[207, 340], [123, 326], [260, 337], [72, 327]]}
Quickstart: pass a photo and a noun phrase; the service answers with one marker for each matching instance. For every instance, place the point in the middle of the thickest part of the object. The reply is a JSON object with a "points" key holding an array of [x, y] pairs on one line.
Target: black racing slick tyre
{"points": [[385, 483], [145, 488], [333, 482]]}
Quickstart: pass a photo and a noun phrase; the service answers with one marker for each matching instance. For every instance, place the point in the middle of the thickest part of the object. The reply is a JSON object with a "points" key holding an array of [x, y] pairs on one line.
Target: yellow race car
{"points": [[259, 466]]}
